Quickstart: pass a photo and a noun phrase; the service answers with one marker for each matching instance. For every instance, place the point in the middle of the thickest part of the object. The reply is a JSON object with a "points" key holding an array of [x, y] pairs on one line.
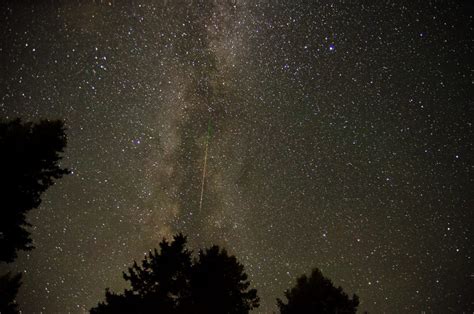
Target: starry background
{"points": [[342, 139]]}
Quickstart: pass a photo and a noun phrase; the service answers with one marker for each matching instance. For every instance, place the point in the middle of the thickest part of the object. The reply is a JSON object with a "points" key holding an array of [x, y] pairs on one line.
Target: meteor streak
{"points": [[205, 163]]}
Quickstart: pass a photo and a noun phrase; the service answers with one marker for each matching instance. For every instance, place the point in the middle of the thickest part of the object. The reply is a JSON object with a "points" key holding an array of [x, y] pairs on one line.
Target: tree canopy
{"points": [[29, 159], [170, 281], [317, 294], [28, 164]]}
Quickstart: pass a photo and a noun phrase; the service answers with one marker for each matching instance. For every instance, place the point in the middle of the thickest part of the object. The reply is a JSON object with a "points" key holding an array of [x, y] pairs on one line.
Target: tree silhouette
{"points": [[157, 285], [219, 284], [28, 166], [169, 281], [8, 289], [317, 294]]}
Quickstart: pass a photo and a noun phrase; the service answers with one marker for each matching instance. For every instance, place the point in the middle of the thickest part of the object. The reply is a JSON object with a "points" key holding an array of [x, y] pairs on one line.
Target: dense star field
{"points": [[340, 138]]}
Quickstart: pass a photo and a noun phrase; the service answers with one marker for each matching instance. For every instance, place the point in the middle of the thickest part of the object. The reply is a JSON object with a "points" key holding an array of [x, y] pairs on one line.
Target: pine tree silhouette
{"points": [[28, 167], [317, 294]]}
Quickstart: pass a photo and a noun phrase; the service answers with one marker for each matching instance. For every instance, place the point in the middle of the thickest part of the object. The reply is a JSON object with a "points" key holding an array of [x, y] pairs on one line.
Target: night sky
{"points": [[341, 139]]}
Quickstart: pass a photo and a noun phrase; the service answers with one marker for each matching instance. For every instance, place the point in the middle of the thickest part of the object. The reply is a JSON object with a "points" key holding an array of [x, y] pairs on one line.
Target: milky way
{"points": [[341, 138]]}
